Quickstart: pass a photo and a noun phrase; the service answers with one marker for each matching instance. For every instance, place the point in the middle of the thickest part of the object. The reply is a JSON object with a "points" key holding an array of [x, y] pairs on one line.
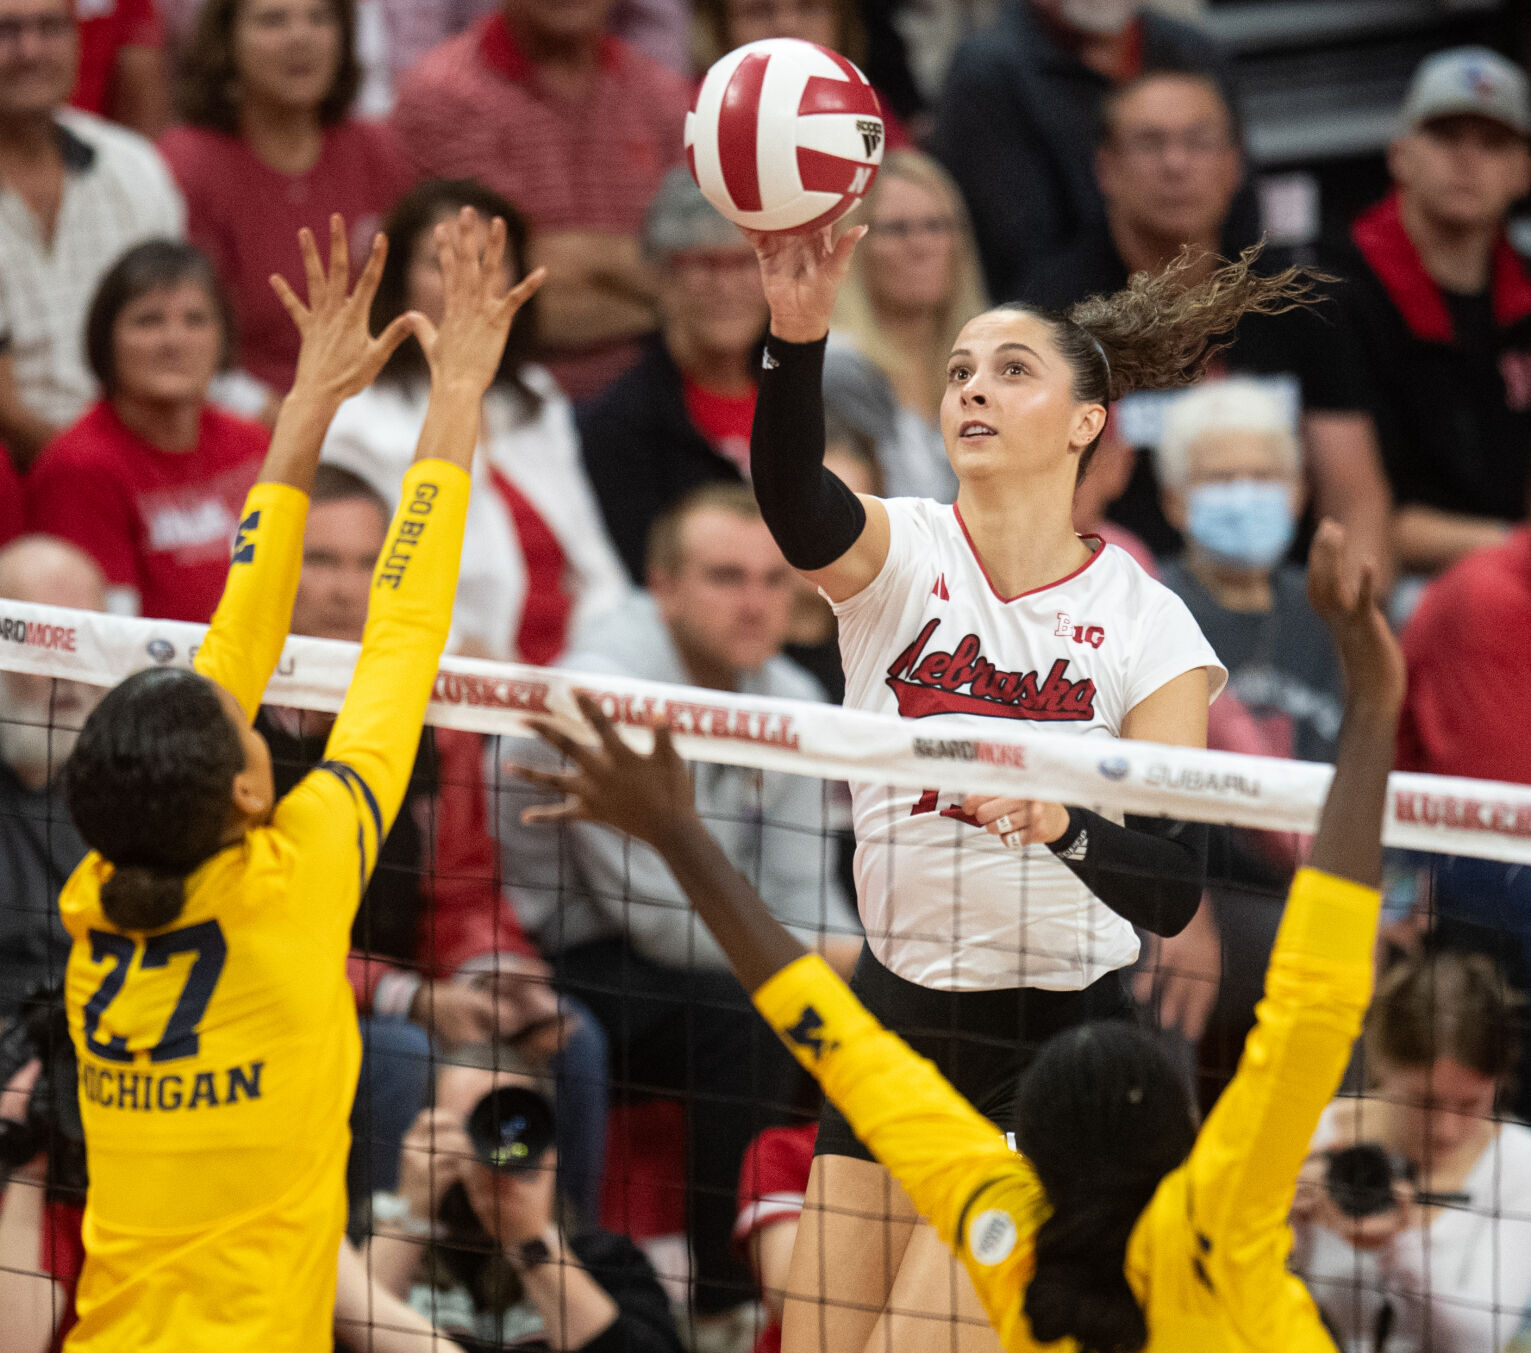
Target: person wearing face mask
{"points": [[1019, 118], [1231, 475]]}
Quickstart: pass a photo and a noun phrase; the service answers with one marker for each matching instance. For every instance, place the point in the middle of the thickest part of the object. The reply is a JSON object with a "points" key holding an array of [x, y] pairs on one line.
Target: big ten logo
{"points": [[1094, 635]]}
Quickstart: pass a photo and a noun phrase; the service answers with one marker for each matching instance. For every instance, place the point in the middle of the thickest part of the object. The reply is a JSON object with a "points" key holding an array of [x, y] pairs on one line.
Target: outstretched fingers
{"points": [[340, 256], [591, 709], [313, 266], [290, 302], [583, 757], [523, 291], [372, 274]]}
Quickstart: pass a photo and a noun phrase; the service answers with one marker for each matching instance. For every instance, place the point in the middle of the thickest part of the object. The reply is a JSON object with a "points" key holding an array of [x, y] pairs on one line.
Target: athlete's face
{"points": [[1441, 1108], [1462, 172], [254, 792], [1009, 407]]}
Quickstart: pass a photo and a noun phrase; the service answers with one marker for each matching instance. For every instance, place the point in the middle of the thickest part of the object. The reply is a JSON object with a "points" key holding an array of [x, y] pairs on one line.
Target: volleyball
{"points": [[784, 136]]}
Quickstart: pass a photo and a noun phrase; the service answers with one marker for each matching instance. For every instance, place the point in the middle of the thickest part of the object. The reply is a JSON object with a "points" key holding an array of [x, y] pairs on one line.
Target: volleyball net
{"points": [[630, 1030]]}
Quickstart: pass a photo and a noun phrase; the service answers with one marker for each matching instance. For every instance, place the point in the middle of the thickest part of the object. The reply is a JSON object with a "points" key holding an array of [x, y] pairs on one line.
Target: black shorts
{"points": [[980, 1040]]}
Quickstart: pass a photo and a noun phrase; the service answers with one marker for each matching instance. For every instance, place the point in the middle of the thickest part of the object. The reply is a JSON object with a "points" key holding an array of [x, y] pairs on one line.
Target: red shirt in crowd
{"points": [[1469, 678], [474, 108], [725, 421], [773, 1178], [246, 216], [107, 26], [159, 522]]}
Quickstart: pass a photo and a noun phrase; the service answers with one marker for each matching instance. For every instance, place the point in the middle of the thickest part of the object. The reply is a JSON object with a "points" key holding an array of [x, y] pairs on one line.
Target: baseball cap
{"points": [[1469, 80]]}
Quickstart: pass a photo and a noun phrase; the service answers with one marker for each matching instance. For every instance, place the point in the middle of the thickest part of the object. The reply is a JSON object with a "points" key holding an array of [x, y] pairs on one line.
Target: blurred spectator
{"points": [[499, 1267], [1169, 166], [624, 941], [13, 500], [1447, 1267], [772, 1182], [150, 482], [74, 193], [39, 719], [912, 286], [576, 128], [123, 75], [722, 25], [1442, 306], [268, 145], [910, 45], [681, 417], [1231, 475], [439, 956], [1469, 679], [1020, 118], [1105, 480], [536, 561], [813, 634]]}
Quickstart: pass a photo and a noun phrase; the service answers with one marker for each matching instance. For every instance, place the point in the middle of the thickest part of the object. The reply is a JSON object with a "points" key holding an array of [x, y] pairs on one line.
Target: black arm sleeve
{"points": [[1150, 871], [813, 516]]}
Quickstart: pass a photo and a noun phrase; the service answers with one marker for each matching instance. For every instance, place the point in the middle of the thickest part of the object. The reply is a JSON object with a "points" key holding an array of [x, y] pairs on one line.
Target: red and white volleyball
{"points": [[784, 135]]}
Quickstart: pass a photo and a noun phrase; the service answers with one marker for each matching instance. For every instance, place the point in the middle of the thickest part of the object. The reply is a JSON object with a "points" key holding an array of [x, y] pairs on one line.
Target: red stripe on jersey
{"points": [[738, 118], [823, 95]]}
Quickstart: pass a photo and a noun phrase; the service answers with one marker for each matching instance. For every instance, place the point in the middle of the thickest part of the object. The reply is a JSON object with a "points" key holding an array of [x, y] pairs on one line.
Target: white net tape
{"points": [[1448, 815]]}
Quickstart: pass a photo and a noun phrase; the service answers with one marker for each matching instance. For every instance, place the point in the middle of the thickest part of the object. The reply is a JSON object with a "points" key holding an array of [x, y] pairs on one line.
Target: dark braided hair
{"points": [[148, 785], [1103, 1115]]}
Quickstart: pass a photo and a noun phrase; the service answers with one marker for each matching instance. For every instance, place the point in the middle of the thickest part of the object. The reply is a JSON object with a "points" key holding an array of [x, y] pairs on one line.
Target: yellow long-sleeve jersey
{"points": [[1207, 1258], [218, 1056]]}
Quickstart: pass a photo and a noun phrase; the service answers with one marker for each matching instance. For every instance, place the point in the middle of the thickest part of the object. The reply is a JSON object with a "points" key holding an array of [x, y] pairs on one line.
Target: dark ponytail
{"points": [[149, 785], [1160, 330], [1103, 1115], [138, 897]]}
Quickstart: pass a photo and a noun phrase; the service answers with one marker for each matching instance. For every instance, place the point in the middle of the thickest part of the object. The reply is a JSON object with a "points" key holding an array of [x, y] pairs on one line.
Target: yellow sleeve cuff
{"points": [[812, 1009], [1329, 917]]}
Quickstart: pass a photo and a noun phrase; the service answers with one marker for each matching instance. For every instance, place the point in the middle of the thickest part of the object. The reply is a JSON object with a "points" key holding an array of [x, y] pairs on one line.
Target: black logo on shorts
{"points": [[871, 135]]}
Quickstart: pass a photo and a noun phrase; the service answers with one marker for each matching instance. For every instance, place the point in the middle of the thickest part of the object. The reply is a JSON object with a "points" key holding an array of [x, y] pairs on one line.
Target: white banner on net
{"points": [[1425, 812]]}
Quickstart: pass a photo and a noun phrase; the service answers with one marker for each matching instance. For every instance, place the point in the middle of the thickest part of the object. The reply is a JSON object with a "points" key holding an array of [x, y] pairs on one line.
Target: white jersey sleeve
{"points": [[946, 904]]}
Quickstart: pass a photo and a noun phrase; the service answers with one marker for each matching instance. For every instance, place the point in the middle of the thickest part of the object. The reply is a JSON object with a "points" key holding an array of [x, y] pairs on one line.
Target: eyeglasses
{"points": [[48, 27], [1153, 143], [907, 227]]}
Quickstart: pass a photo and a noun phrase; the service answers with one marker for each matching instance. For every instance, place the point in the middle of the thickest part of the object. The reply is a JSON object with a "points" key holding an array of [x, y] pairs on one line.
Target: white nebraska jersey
{"points": [[945, 903]]}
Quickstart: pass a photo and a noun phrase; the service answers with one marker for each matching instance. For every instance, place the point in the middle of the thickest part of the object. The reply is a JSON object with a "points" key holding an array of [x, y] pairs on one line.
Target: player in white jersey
{"points": [[991, 922]]}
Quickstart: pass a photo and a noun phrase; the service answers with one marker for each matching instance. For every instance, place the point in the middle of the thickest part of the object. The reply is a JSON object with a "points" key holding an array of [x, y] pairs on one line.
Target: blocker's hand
{"points": [[644, 796], [476, 322], [339, 356], [1343, 592], [801, 275]]}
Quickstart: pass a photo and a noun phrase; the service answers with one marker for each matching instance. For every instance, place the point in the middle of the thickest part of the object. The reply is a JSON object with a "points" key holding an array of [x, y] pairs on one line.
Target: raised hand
{"points": [[465, 350], [801, 275], [1343, 592], [339, 357], [641, 795]]}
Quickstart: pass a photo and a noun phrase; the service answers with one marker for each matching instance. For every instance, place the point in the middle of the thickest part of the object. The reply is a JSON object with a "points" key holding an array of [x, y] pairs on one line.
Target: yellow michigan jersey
{"points": [[218, 1056], [1207, 1258]]}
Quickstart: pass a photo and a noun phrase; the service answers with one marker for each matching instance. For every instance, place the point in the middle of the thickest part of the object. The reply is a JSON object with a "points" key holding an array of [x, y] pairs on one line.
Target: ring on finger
{"points": [[1003, 825], [1012, 840]]}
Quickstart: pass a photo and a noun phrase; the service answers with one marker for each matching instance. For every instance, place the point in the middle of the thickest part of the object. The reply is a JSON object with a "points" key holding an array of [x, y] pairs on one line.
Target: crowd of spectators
{"points": [[156, 165]]}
